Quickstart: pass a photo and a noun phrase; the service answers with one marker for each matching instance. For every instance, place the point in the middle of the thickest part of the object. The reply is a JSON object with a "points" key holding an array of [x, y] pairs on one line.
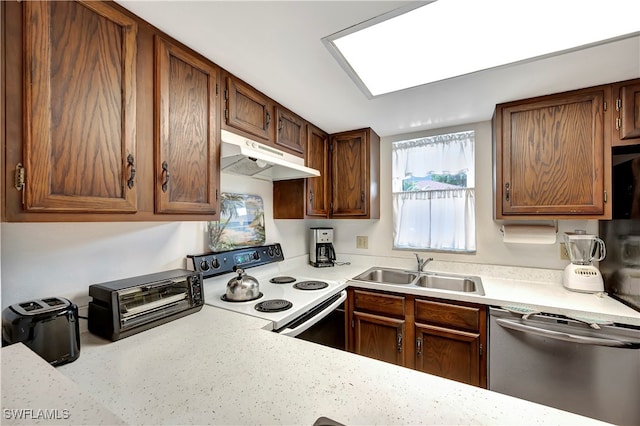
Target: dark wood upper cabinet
{"points": [[627, 113], [187, 142], [79, 143], [348, 186], [248, 110], [355, 158], [95, 102], [291, 132], [318, 188], [553, 156]]}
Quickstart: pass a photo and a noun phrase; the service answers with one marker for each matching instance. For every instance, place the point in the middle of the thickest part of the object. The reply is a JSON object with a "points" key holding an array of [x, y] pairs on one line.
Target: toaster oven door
{"points": [[146, 303]]}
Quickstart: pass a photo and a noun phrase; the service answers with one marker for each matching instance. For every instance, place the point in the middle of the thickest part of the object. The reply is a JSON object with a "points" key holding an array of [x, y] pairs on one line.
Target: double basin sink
{"points": [[431, 280]]}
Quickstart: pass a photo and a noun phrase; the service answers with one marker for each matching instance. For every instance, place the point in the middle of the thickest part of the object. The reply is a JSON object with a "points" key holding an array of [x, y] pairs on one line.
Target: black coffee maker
{"points": [[321, 252]]}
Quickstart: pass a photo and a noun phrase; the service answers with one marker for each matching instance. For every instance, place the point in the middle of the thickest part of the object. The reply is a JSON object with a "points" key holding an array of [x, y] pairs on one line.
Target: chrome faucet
{"points": [[422, 262]]}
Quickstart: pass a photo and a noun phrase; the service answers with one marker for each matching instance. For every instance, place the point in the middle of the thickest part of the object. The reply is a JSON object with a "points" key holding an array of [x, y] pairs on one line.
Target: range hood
{"points": [[242, 156]]}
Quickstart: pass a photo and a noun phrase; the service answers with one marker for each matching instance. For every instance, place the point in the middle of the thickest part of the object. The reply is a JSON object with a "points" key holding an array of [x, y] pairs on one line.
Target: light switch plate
{"points": [[563, 252], [362, 242]]}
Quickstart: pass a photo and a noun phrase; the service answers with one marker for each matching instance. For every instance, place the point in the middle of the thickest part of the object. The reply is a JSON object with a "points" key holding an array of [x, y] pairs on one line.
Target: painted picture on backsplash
{"points": [[241, 222]]}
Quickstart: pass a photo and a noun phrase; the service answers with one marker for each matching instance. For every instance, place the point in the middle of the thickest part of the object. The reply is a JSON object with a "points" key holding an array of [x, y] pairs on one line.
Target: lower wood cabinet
{"points": [[451, 340], [378, 325], [379, 337], [440, 337]]}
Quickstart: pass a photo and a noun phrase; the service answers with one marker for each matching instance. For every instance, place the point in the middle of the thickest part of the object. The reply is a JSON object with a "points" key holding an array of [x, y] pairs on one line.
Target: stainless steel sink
{"points": [[450, 282], [430, 280], [388, 276]]}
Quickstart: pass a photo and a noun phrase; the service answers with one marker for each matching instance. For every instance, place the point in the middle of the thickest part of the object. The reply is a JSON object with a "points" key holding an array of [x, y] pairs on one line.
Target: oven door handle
{"points": [[565, 337], [293, 332]]}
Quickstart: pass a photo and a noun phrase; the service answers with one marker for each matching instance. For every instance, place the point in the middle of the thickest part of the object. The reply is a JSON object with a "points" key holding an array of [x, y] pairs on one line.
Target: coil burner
{"points": [[311, 285], [282, 280], [273, 305], [226, 299]]}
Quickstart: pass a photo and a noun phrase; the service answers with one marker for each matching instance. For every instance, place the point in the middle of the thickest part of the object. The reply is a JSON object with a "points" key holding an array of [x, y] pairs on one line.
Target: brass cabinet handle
{"points": [[132, 171], [165, 171]]}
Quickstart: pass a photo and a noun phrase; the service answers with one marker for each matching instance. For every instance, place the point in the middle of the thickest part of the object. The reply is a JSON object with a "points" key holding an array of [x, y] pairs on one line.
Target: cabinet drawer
{"points": [[384, 304], [447, 315]]}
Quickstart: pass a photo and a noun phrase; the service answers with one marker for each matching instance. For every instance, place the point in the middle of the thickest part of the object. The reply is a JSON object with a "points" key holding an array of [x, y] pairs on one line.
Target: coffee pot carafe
{"points": [[321, 251]]}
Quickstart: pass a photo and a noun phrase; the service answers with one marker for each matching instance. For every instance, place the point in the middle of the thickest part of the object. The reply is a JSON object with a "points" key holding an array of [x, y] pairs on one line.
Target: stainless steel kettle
{"points": [[243, 287]]}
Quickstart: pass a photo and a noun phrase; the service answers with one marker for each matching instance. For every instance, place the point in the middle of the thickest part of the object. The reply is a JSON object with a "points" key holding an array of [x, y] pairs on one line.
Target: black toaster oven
{"points": [[124, 307]]}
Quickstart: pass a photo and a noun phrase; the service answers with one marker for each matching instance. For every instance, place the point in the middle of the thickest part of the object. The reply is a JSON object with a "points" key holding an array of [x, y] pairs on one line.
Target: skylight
{"points": [[449, 38]]}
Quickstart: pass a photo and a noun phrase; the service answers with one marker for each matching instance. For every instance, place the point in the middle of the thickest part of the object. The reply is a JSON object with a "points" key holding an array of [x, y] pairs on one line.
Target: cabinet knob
{"points": [[165, 172]]}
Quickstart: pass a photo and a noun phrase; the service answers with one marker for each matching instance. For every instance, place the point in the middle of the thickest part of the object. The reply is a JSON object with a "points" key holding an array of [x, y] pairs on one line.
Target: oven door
{"points": [[315, 316]]}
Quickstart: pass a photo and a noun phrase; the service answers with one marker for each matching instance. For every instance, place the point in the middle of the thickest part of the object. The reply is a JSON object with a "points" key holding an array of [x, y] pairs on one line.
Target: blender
{"points": [[580, 274]]}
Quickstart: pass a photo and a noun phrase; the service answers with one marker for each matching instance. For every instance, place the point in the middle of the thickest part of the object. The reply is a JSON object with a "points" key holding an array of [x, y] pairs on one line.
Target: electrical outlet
{"points": [[362, 242], [563, 252]]}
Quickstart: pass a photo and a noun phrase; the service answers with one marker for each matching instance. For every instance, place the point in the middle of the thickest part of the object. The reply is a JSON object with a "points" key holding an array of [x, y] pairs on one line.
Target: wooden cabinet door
{"points": [[79, 108], [627, 125], [448, 353], [349, 174], [187, 145], [449, 338], [291, 134], [318, 188], [379, 337], [553, 156], [248, 110]]}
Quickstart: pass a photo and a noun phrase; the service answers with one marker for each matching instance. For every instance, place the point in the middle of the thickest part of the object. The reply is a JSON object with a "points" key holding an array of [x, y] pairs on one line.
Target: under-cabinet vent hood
{"points": [[242, 156]]}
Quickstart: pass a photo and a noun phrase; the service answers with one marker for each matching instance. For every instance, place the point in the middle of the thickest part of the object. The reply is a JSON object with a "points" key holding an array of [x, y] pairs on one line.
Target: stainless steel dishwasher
{"points": [[566, 364]]}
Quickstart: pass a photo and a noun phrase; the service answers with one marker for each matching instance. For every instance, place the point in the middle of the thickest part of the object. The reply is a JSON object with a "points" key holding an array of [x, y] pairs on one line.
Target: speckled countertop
{"points": [[34, 392], [219, 367]]}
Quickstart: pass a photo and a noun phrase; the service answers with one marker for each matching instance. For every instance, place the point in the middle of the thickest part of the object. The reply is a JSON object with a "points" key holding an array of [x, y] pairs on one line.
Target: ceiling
{"points": [[276, 47]]}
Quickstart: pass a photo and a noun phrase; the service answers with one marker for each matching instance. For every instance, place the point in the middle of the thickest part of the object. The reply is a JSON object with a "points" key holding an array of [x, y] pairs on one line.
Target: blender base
{"points": [[583, 278]]}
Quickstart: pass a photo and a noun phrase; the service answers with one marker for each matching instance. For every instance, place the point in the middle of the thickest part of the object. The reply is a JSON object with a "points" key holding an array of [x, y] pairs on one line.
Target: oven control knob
{"points": [[256, 256], [276, 250], [270, 250], [215, 264], [204, 265]]}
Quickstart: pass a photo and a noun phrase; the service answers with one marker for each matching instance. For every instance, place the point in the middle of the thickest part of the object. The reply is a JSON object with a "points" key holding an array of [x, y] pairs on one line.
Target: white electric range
{"points": [[292, 303]]}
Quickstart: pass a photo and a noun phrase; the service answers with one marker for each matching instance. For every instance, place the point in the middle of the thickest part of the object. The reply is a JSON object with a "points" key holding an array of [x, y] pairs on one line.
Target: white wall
{"points": [[63, 259]]}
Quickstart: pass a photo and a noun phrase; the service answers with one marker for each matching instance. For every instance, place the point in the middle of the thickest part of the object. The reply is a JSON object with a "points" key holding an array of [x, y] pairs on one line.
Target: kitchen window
{"points": [[433, 185]]}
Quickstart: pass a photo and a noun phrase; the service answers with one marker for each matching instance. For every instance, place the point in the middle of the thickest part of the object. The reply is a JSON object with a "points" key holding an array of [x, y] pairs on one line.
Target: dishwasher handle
{"points": [[566, 337]]}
